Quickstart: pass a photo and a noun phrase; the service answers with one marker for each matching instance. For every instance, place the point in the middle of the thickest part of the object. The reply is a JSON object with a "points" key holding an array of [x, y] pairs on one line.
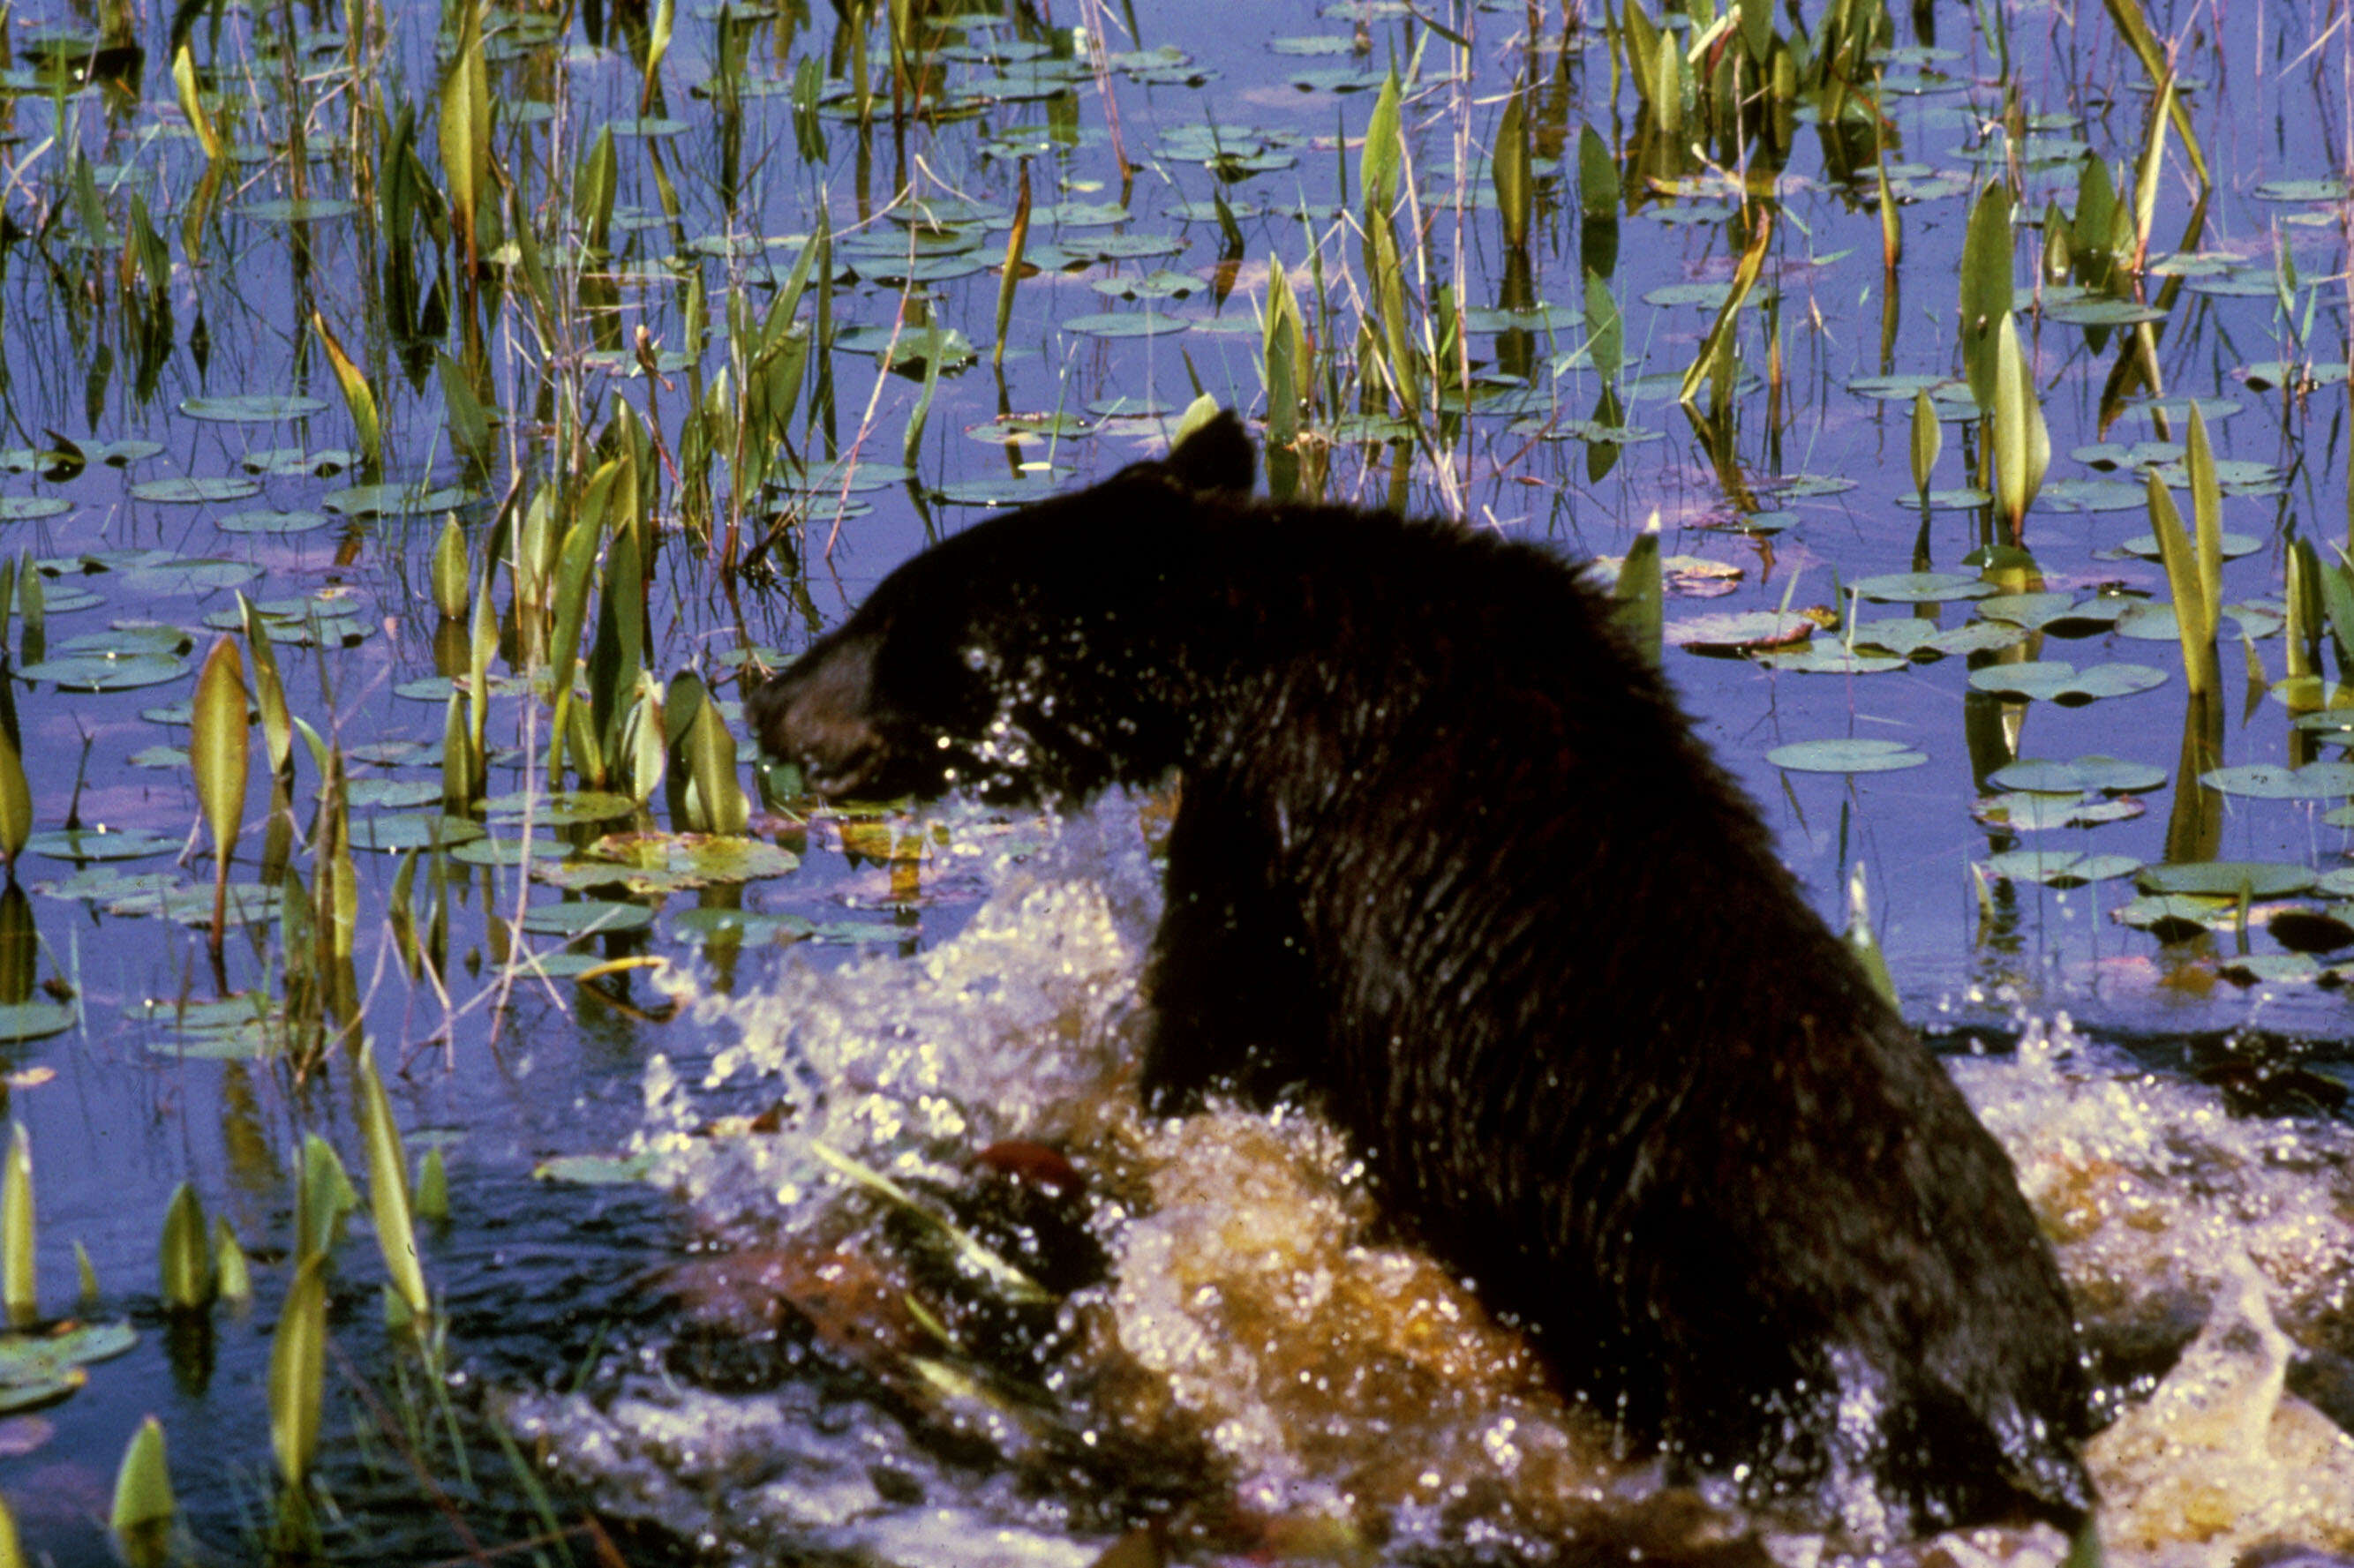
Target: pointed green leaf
{"points": [[142, 1487], [396, 1231], [20, 1289], [298, 1369], [185, 1258]]}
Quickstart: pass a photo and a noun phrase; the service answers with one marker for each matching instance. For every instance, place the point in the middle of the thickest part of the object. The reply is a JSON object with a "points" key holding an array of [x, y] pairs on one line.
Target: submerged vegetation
{"points": [[417, 421]]}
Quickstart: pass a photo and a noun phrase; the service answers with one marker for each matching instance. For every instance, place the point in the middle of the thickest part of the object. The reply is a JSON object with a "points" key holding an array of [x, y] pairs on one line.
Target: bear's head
{"points": [[1035, 655]]}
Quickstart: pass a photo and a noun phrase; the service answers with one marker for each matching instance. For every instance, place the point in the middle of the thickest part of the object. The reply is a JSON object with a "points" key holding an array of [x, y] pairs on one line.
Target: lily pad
{"points": [[1734, 633], [560, 809], [191, 904], [1920, 587], [32, 508], [1126, 323], [399, 830], [2226, 879], [2059, 868], [2057, 681], [251, 408], [101, 672], [101, 844], [744, 925], [34, 1019], [595, 1170], [703, 857], [2270, 969], [269, 522], [2030, 811], [1828, 658], [2234, 545], [1846, 757], [585, 916], [191, 490], [1912, 637], [2272, 781], [2105, 774]]}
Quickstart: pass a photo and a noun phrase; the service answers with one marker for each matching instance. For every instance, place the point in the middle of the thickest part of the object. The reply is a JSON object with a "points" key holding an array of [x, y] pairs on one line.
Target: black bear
{"points": [[1449, 864]]}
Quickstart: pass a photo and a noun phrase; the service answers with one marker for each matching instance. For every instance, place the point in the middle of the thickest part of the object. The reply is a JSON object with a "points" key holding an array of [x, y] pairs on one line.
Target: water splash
{"points": [[1261, 1370]]}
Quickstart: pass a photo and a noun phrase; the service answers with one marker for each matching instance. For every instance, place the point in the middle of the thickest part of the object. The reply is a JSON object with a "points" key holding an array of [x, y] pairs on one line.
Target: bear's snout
{"points": [[815, 714]]}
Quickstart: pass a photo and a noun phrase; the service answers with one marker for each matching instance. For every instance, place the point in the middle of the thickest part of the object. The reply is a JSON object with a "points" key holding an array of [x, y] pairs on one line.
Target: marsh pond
{"points": [[468, 1107]]}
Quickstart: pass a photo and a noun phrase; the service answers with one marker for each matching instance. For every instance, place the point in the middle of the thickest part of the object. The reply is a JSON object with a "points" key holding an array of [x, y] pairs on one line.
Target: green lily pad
{"points": [[2059, 868], [1160, 284], [595, 1170], [1757, 628], [2092, 496], [267, 521], [1000, 489], [34, 1019], [558, 811], [2234, 545], [32, 508], [2030, 811], [2272, 781], [2057, 681], [397, 500], [2107, 312], [2226, 879], [190, 490], [1912, 637], [700, 858], [1846, 757], [1126, 323], [507, 852], [706, 925], [1828, 658], [2174, 917], [2271, 373], [299, 209], [251, 408], [98, 672], [2105, 775], [191, 904], [2271, 968], [101, 844], [391, 794], [584, 917], [2148, 621], [2327, 189], [400, 831], [104, 885], [1920, 587]]}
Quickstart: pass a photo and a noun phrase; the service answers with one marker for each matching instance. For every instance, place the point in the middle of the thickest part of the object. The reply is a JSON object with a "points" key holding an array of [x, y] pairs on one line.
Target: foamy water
{"points": [[1256, 1367]]}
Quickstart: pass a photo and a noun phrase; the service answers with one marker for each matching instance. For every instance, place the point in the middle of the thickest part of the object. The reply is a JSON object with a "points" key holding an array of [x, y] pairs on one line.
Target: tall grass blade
{"points": [[16, 792]]}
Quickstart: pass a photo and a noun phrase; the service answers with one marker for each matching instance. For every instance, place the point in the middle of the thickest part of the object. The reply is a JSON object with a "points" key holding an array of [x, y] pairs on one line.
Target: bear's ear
{"points": [[1217, 457]]}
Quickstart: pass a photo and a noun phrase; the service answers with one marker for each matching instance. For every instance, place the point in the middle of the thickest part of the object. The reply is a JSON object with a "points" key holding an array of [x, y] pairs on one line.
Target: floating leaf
{"points": [[2059, 868], [596, 1169], [2029, 813], [252, 409], [2226, 879], [1732, 633], [2272, 781], [587, 917], [1920, 587], [1846, 757], [2106, 775], [189, 491], [2056, 680]]}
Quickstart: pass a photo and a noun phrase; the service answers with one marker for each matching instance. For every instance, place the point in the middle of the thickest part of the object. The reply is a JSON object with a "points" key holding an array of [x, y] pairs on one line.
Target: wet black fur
{"points": [[1448, 862]]}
